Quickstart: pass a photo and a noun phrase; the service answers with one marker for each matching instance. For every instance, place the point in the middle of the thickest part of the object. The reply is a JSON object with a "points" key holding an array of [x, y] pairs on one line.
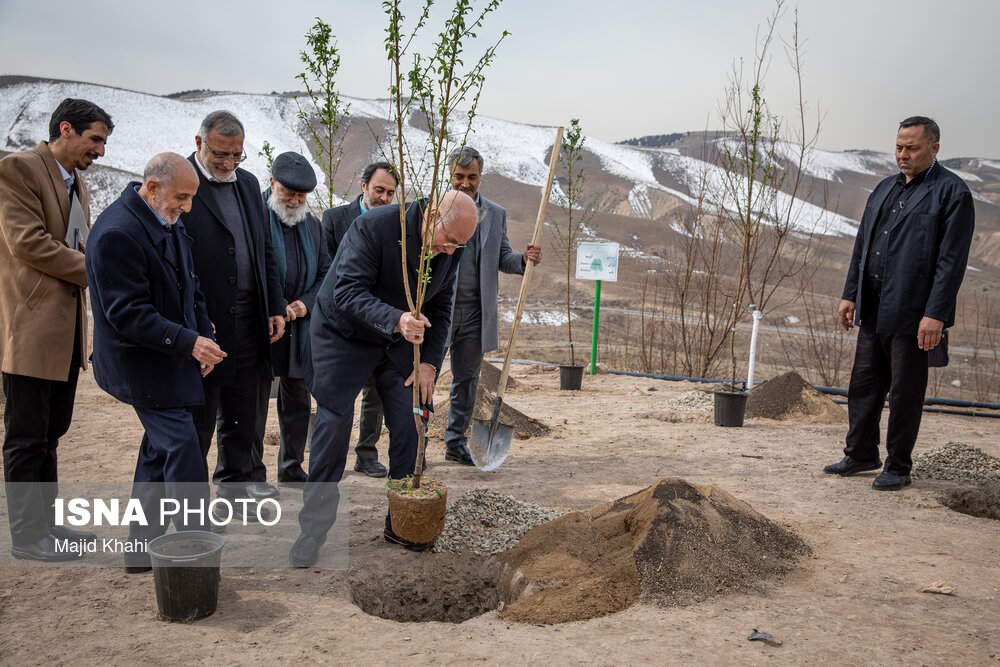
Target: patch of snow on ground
{"points": [[378, 109], [825, 164], [629, 163], [148, 124], [543, 317], [638, 199], [805, 217], [515, 151]]}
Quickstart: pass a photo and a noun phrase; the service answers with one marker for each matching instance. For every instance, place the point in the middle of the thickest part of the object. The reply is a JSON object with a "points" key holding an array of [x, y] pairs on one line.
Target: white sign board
{"points": [[597, 261]]}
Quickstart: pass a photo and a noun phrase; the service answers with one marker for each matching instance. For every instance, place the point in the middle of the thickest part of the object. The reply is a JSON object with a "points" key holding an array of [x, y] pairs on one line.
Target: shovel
{"points": [[489, 443]]}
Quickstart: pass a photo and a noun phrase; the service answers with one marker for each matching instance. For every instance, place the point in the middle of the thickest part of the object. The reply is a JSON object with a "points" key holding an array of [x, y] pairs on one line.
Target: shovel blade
{"points": [[489, 443]]}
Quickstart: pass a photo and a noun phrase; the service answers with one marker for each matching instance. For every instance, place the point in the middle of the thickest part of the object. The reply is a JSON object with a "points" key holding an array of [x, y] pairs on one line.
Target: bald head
{"points": [[456, 221], [169, 184]]}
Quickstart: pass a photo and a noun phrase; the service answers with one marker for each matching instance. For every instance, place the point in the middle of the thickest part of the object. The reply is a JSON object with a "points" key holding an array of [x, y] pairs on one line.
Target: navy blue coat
{"points": [[928, 251], [147, 312], [361, 301], [215, 264]]}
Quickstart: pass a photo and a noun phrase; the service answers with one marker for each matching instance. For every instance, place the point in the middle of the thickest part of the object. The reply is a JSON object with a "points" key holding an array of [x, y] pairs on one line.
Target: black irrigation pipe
{"points": [[949, 411], [836, 391]]}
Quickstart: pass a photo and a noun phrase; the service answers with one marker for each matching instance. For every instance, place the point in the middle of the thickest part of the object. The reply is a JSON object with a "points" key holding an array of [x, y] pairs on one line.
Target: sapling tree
{"points": [[325, 116], [426, 89], [267, 152], [747, 234], [577, 215]]}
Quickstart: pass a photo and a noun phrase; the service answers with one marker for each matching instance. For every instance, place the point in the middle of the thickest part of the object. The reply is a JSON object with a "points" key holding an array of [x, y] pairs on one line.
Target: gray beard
{"points": [[288, 217]]}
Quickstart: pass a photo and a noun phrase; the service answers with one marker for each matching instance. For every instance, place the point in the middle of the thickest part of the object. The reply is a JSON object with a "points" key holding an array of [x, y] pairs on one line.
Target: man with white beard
{"points": [[303, 260]]}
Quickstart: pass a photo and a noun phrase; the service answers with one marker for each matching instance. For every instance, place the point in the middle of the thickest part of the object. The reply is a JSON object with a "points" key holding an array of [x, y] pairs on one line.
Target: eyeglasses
{"points": [[236, 158], [451, 241]]}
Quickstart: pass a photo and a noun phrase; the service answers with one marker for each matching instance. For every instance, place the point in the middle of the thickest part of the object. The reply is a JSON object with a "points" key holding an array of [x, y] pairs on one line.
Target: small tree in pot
{"points": [[576, 216], [761, 192]]}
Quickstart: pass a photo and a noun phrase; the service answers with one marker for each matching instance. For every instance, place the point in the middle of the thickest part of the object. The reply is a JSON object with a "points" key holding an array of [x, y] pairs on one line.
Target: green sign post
{"points": [[597, 262], [593, 335]]}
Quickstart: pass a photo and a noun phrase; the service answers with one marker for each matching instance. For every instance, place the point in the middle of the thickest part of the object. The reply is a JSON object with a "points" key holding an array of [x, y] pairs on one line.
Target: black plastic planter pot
{"points": [[730, 406], [570, 377], [186, 573]]}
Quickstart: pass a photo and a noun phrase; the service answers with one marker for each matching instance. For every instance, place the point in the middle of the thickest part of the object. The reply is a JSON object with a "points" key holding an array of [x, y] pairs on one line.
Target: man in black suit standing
{"points": [[362, 326], [234, 261], [153, 341], [378, 187], [909, 260]]}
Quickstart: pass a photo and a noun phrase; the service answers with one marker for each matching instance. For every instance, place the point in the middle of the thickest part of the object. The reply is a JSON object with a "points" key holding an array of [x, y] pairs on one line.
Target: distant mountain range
{"points": [[634, 184]]}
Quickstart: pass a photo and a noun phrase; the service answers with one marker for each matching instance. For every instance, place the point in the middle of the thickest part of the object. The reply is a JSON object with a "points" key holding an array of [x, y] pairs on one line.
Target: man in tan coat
{"points": [[43, 328]]}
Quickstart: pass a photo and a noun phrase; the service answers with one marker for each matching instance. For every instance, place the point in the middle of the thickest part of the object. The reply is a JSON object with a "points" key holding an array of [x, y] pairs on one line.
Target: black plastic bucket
{"points": [[186, 573], [730, 406], [570, 377]]}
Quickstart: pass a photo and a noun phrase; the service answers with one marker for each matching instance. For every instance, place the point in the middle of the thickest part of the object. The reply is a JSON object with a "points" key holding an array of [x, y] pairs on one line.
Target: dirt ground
{"points": [[855, 600]]}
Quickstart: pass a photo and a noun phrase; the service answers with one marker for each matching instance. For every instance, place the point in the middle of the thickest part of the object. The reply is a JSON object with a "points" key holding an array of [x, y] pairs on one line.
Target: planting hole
{"points": [[447, 587]]}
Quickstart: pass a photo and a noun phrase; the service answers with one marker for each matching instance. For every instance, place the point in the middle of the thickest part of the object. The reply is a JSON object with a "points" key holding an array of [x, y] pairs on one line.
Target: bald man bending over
{"points": [[362, 327], [153, 341]]}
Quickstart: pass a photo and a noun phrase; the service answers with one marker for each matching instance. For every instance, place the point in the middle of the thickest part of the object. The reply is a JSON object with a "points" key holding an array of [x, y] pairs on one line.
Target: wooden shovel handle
{"points": [[529, 265]]}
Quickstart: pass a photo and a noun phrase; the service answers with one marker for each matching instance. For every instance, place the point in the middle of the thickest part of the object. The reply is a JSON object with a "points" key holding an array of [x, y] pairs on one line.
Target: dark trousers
{"points": [[466, 362], [294, 408], [370, 426], [169, 465], [883, 362], [331, 441], [239, 413], [37, 413]]}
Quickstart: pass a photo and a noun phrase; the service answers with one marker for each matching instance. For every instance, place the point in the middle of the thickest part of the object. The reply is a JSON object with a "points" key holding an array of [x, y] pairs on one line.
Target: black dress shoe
{"points": [[848, 466], [406, 544], [459, 454], [295, 480], [64, 533], [889, 481], [305, 551], [44, 550], [370, 467], [261, 490]]}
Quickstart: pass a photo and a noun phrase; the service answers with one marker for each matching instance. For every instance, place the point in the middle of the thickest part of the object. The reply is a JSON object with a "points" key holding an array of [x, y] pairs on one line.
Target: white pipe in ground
{"points": [[757, 314]]}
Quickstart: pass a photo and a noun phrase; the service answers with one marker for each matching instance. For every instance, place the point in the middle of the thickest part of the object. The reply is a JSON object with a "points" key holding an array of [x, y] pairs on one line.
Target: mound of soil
{"points": [[489, 379], [788, 397], [672, 543], [982, 501]]}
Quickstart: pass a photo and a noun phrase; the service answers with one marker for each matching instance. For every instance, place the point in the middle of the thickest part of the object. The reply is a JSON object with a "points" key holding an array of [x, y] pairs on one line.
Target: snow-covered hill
{"points": [[148, 124]]}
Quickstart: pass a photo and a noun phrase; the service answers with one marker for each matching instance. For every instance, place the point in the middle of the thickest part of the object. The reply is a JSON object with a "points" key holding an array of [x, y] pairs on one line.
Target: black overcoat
{"points": [[361, 301], [336, 222], [928, 249], [215, 264]]}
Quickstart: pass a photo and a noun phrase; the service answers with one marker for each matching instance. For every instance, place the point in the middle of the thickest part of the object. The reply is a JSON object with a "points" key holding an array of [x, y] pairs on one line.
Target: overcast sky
{"points": [[625, 69]]}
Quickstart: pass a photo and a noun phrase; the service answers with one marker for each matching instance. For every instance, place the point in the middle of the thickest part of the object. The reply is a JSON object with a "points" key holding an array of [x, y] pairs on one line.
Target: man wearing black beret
{"points": [[303, 260]]}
